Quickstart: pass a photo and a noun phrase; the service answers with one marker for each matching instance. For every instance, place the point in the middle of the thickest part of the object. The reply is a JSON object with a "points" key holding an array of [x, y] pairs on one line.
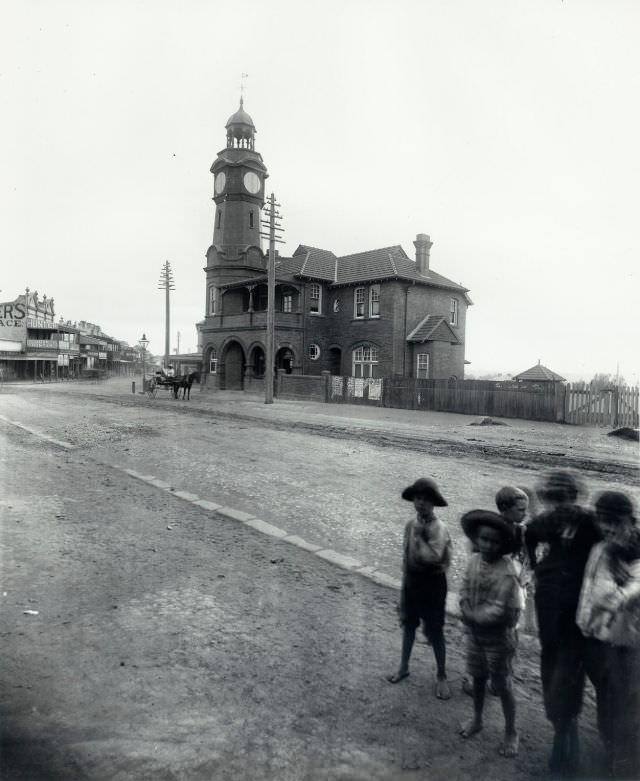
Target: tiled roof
{"points": [[317, 263], [384, 263], [378, 264], [433, 328], [539, 373]]}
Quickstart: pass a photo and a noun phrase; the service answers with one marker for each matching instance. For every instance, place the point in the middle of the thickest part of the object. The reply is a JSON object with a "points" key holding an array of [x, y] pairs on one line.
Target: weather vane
{"points": [[243, 76]]}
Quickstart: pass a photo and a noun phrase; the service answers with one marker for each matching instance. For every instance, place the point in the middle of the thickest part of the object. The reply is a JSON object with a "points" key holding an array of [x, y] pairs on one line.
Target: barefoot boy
{"points": [[490, 602], [427, 555]]}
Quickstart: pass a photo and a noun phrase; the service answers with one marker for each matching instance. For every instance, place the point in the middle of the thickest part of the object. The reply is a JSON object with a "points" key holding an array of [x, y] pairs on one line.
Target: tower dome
{"points": [[240, 129]]}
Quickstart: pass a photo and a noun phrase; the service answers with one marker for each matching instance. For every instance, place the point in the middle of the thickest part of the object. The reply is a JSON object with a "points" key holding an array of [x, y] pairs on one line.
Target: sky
{"points": [[507, 130]]}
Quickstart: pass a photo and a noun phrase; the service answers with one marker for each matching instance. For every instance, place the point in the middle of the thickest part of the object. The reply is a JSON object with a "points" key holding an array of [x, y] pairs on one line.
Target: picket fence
{"points": [[557, 402]]}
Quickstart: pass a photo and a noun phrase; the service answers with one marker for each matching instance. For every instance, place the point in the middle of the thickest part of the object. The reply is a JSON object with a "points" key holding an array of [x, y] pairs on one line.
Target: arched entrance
{"points": [[335, 361], [284, 359], [233, 366]]}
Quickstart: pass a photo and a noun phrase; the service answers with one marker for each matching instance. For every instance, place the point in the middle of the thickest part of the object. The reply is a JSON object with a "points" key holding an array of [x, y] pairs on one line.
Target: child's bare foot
{"points": [[471, 727], [443, 692], [467, 686], [509, 746], [399, 676]]}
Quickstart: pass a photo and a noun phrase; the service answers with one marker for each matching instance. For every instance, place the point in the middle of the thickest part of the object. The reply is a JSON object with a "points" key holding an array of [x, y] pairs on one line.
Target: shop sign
{"points": [[12, 322]]}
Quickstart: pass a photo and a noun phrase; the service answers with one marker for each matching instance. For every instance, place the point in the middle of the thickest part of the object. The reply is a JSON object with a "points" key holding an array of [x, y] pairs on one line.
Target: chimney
{"points": [[423, 246]]}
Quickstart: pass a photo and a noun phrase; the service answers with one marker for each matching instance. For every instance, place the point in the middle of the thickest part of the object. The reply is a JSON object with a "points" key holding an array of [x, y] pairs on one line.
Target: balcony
{"points": [[51, 344], [253, 320]]}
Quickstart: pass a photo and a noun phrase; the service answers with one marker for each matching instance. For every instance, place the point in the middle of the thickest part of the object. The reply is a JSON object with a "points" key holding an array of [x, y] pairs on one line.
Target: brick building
{"points": [[377, 313]]}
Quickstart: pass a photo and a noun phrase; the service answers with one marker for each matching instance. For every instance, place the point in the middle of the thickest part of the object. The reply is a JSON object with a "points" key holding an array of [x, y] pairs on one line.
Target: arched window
{"points": [[365, 361], [213, 361], [213, 296]]}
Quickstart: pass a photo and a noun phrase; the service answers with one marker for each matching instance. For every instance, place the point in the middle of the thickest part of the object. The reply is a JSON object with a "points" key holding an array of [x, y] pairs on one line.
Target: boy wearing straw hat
{"points": [[426, 559], [490, 603]]}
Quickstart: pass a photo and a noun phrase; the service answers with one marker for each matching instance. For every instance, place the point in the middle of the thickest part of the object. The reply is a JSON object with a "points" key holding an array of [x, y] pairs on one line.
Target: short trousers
{"points": [[491, 654], [423, 598]]}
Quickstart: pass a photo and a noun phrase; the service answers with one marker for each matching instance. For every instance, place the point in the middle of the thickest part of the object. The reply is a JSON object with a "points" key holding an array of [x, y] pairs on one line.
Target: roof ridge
{"points": [[393, 265], [305, 262]]}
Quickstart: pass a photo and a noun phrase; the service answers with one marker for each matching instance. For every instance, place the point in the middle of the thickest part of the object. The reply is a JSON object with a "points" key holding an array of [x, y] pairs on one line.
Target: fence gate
{"points": [[613, 407]]}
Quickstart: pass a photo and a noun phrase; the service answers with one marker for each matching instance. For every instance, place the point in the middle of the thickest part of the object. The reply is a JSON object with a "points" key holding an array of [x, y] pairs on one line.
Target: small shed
{"points": [[538, 373]]}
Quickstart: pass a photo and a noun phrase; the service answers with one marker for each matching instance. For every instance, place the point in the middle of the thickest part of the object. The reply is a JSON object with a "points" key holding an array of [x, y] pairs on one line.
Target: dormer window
{"points": [[315, 298]]}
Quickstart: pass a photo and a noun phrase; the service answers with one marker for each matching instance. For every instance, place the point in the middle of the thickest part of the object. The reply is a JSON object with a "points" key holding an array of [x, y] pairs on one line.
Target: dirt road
{"points": [[147, 638]]}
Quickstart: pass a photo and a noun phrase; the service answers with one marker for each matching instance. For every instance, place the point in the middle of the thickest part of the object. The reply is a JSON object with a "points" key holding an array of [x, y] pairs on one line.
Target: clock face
{"points": [[252, 182], [221, 180]]}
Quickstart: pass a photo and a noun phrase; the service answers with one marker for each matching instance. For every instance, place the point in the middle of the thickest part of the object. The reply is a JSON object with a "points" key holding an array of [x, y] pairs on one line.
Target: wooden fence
{"points": [[556, 402], [615, 407]]}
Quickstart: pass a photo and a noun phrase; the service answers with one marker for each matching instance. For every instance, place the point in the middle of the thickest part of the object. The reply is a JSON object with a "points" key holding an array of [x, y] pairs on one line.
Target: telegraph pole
{"points": [[166, 282], [274, 227]]}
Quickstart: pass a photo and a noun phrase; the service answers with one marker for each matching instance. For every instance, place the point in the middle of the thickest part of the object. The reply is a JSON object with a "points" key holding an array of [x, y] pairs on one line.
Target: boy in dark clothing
{"points": [[426, 558], [570, 531], [491, 599]]}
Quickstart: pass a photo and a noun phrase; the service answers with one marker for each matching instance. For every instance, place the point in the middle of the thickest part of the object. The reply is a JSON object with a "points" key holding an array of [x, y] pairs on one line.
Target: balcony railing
{"points": [[51, 344], [256, 319]]}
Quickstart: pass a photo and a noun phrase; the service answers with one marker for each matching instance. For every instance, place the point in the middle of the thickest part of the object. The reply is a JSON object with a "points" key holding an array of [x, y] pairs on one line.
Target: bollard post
{"points": [[133, 387]]}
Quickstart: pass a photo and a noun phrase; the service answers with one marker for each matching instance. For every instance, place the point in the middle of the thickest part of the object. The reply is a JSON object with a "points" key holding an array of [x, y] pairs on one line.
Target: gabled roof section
{"points": [[539, 373], [317, 263], [434, 328]]}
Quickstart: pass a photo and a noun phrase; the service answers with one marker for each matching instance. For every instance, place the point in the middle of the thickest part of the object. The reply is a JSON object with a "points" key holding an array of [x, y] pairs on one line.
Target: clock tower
{"points": [[238, 193]]}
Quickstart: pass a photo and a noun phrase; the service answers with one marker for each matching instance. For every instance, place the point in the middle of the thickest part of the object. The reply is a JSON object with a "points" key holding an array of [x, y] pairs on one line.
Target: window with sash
{"points": [[422, 366], [374, 301], [315, 298]]}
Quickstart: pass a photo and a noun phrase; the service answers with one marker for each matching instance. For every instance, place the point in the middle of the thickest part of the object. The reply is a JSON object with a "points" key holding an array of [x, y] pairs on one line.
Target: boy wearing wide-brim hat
{"points": [[491, 599], [426, 559]]}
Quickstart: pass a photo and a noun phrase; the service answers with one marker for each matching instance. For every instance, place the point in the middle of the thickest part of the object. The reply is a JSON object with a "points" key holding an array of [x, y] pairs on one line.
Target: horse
{"points": [[184, 383]]}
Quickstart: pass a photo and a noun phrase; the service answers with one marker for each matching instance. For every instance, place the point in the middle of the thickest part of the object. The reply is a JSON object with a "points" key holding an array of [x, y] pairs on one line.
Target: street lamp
{"points": [[143, 348]]}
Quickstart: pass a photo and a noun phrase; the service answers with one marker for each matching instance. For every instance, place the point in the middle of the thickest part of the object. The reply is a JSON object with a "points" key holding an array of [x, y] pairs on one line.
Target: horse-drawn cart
{"points": [[174, 384]]}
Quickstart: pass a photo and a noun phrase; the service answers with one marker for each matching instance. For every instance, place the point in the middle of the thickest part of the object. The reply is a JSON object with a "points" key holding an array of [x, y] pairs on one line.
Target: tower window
{"points": [[219, 217], [315, 296], [213, 294], [213, 362], [251, 219], [453, 313]]}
